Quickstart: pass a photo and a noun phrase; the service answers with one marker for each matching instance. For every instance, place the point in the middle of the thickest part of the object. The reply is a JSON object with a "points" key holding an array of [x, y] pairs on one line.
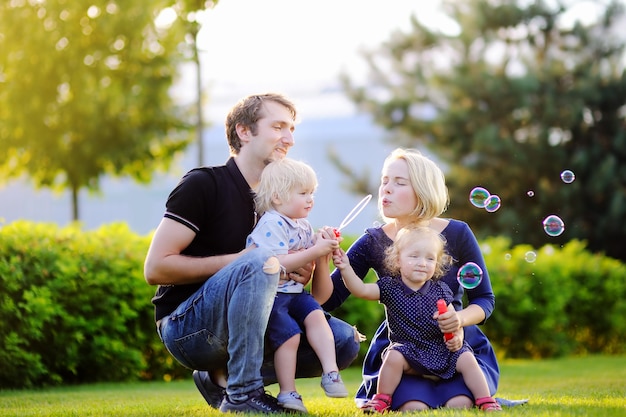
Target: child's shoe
{"points": [[333, 385], [380, 403], [488, 404], [291, 401]]}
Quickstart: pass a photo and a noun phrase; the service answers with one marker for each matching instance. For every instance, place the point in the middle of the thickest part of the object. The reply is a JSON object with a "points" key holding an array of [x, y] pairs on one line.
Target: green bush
{"points": [[565, 301], [75, 307]]}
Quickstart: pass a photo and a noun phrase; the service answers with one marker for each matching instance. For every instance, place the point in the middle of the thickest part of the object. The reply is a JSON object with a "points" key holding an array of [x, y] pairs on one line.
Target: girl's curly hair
{"points": [[410, 234]]}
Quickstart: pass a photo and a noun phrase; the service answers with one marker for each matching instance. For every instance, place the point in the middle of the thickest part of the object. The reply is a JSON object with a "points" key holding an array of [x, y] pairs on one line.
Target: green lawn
{"points": [[588, 386]]}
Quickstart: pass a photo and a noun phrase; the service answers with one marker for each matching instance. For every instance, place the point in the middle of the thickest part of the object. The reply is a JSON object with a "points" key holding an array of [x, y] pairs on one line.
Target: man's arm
{"points": [[164, 264]]}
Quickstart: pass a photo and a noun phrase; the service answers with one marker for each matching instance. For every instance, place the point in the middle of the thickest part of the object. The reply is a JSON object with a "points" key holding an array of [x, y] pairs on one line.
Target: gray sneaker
{"points": [[213, 394], [333, 385], [258, 401], [292, 401]]}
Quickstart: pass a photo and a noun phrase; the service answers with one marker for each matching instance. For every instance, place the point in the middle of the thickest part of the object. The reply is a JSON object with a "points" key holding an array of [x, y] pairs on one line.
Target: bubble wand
{"points": [[441, 306], [352, 215]]}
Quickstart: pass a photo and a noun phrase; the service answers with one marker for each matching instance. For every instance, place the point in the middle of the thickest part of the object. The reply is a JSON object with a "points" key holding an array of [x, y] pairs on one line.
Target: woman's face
{"points": [[395, 194]]}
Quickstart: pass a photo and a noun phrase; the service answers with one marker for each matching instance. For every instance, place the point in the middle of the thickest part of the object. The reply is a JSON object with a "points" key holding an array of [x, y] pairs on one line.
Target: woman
{"points": [[413, 192]]}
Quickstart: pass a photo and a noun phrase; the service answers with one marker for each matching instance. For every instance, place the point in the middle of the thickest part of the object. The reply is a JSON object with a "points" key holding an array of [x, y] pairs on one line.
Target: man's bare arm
{"points": [[164, 264]]}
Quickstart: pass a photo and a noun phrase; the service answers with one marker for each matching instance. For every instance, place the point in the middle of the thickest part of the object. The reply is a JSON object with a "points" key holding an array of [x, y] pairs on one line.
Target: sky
{"points": [[295, 47], [300, 47]]}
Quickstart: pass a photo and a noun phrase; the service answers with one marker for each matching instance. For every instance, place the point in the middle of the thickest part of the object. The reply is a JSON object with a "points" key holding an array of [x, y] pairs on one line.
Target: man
{"points": [[214, 296]]}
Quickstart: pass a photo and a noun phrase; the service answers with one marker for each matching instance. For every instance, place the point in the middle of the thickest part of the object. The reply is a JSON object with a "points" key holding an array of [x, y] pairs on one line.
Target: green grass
{"points": [[587, 386]]}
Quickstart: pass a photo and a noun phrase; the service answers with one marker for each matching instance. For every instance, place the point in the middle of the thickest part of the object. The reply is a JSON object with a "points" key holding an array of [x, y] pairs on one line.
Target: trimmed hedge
{"points": [[565, 300], [75, 307]]}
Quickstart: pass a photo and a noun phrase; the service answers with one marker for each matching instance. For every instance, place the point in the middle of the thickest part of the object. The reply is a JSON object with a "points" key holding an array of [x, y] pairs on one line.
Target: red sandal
{"points": [[380, 403], [488, 404]]}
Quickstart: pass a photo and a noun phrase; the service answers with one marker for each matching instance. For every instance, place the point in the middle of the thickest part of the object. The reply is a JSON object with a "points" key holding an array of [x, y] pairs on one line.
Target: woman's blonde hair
{"points": [[279, 179], [410, 234], [427, 180]]}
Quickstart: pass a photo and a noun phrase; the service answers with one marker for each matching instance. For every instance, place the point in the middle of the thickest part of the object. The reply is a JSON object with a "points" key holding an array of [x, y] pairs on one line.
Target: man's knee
{"points": [[347, 340], [271, 265]]}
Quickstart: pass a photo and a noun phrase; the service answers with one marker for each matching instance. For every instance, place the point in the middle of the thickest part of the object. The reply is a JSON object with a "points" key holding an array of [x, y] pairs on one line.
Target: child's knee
{"points": [[292, 343]]}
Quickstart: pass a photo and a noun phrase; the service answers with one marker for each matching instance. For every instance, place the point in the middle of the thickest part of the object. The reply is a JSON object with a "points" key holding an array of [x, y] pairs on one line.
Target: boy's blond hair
{"points": [[279, 179], [410, 234]]}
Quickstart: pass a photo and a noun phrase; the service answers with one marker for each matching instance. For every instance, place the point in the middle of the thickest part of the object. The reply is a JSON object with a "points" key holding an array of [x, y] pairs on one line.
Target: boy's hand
{"points": [[324, 245], [329, 233]]}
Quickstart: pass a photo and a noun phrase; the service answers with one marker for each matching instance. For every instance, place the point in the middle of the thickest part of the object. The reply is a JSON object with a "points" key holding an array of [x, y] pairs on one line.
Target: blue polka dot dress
{"points": [[412, 329]]}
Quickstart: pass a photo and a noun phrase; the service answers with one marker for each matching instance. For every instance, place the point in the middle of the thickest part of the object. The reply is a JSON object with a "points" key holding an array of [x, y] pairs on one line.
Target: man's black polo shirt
{"points": [[218, 205]]}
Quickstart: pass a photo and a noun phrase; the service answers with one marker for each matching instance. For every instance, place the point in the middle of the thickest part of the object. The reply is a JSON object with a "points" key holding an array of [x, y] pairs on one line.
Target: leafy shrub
{"points": [[75, 307], [566, 301]]}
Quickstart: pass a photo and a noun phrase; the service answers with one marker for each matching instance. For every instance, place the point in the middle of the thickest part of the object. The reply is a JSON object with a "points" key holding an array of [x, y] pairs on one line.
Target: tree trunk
{"points": [[199, 120], [75, 192]]}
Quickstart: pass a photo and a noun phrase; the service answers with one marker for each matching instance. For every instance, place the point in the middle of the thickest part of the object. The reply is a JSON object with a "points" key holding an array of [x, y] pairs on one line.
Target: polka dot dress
{"points": [[412, 329]]}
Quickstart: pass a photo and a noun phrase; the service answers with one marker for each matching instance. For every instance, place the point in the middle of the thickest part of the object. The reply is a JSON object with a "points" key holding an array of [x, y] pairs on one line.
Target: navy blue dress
{"points": [[368, 253], [412, 330]]}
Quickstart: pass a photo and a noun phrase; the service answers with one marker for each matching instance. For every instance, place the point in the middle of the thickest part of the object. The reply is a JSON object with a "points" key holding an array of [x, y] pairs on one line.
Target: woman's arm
{"points": [[321, 285], [464, 248], [362, 260], [452, 321]]}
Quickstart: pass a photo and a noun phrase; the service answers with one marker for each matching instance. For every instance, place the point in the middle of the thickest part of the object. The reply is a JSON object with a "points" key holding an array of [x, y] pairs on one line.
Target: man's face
{"points": [[274, 135]]}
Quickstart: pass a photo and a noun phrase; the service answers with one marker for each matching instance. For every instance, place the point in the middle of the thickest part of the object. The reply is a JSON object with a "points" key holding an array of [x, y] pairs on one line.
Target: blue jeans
{"points": [[222, 326]]}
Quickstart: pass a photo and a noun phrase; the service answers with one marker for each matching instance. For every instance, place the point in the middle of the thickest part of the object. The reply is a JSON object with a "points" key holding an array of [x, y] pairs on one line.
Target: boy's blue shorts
{"points": [[287, 317]]}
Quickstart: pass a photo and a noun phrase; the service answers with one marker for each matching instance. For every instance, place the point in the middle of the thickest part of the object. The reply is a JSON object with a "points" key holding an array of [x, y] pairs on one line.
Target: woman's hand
{"points": [[450, 322]]}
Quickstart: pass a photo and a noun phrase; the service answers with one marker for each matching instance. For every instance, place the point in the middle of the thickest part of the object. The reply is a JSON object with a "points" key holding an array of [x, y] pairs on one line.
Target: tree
{"points": [[191, 14], [84, 92], [508, 102]]}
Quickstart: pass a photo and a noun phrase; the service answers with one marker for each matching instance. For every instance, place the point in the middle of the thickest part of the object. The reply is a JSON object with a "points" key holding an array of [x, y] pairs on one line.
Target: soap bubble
{"points": [[469, 275], [478, 197], [492, 203], [568, 176], [553, 225], [530, 256]]}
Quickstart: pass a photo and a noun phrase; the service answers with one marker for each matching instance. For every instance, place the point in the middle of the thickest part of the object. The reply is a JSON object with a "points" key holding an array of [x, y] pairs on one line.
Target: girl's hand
{"points": [[340, 259], [456, 342]]}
